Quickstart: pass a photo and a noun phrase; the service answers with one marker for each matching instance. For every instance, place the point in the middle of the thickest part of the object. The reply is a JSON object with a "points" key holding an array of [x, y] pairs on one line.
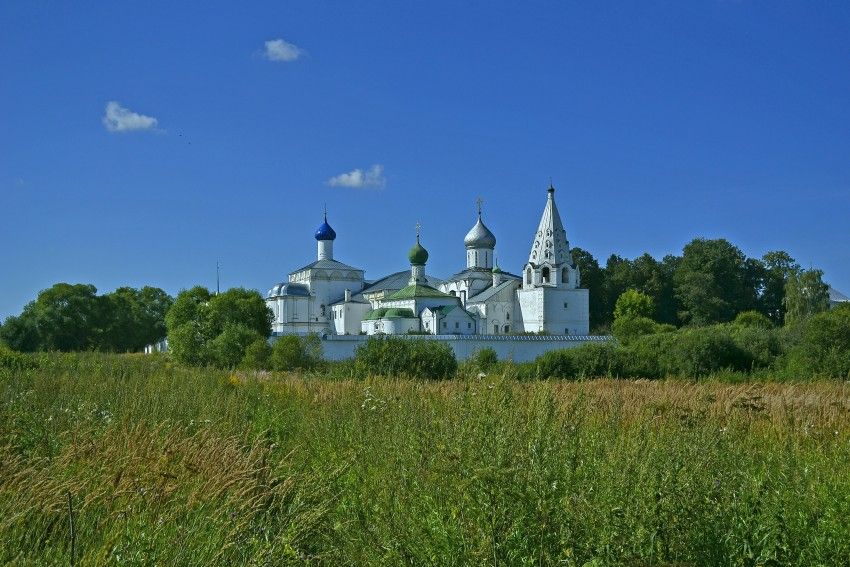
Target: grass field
{"points": [[158, 464]]}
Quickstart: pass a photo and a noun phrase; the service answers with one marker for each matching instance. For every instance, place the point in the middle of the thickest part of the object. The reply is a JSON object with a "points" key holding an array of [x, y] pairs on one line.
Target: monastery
{"points": [[330, 297]]}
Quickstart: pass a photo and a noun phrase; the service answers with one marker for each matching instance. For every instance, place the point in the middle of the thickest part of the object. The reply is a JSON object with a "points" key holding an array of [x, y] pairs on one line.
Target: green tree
{"points": [[135, 318], [257, 355], [593, 280], [288, 353], [779, 267], [825, 346], [20, 333], [805, 295], [712, 282], [197, 319], [228, 349], [69, 317], [633, 303]]}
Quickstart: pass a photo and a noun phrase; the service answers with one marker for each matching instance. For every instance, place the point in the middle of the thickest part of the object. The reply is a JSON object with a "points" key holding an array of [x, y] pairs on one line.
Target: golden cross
{"points": [[480, 202]]}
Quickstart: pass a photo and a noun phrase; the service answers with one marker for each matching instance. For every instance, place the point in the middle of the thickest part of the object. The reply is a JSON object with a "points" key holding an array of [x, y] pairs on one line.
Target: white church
{"points": [[332, 298]]}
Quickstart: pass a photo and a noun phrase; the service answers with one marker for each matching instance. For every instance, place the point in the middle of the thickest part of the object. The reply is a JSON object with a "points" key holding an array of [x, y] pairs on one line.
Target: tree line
{"points": [[711, 282], [73, 317]]}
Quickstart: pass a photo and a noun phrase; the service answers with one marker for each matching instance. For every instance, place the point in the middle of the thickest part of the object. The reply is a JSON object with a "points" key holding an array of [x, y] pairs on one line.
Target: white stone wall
{"points": [[516, 348]]}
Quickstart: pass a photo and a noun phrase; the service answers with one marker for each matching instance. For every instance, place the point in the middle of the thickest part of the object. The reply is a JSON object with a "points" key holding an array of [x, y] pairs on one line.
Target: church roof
{"points": [[490, 292], [289, 289], [416, 291], [326, 265], [479, 273], [479, 236], [397, 281], [550, 241]]}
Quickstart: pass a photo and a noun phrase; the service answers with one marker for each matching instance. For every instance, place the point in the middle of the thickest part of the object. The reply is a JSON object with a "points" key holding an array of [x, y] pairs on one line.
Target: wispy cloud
{"points": [[120, 119], [358, 178], [281, 50]]}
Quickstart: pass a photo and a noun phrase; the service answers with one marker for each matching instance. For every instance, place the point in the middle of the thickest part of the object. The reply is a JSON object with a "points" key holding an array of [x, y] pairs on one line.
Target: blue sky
{"points": [[658, 122]]}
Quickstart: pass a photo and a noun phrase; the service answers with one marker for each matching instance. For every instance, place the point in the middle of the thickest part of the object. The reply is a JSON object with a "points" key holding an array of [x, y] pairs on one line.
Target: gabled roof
{"points": [[396, 281], [416, 291], [479, 273], [446, 309], [326, 265], [490, 292]]}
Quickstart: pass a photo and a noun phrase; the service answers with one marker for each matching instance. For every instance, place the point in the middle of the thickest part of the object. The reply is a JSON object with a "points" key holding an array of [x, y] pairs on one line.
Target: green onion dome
{"points": [[418, 255]]}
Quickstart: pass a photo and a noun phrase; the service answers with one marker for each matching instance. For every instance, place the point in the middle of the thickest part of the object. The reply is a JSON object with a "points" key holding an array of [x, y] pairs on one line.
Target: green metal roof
{"points": [[399, 313], [415, 291], [375, 314]]}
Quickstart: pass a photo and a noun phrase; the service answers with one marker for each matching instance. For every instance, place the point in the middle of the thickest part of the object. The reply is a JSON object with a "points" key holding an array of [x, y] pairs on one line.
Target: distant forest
{"points": [[711, 282]]}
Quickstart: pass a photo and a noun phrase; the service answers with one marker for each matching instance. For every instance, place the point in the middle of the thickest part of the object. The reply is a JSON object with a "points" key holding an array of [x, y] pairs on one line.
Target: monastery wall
{"points": [[519, 348]]}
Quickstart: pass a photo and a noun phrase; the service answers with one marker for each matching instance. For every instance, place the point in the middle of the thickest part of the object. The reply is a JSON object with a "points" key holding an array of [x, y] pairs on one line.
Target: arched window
{"points": [[528, 276], [508, 316], [507, 329], [453, 293], [565, 275], [544, 274]]}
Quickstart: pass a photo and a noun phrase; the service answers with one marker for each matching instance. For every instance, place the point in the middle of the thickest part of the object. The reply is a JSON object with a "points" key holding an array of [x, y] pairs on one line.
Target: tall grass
{"points": [[174, 466]]}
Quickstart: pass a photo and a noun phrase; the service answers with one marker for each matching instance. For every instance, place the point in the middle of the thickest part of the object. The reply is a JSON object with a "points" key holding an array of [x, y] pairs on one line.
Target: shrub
{"points": [[11, 360], [596, 360], [485, 359], [416, 358], [288, 353], [257, 355], [824, 348], [701, 351], [627, 329], [761, 344], [633, 304], [556, 364], [752, 319], [649, 356], [228, 349]]}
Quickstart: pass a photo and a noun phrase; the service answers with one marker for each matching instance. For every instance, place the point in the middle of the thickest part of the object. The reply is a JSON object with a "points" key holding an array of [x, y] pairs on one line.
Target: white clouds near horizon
{"points": [[358, 178], [281, 50], [120, 119]]}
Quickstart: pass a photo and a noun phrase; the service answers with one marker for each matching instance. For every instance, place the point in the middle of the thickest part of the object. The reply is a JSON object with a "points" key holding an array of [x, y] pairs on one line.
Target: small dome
{"points": [[480, 236], [325, 232], [418, 255], [286, 288]]}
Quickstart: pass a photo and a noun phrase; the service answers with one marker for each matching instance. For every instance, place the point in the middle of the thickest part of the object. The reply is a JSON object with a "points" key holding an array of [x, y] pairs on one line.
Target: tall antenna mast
{"points": [[217, 278]]}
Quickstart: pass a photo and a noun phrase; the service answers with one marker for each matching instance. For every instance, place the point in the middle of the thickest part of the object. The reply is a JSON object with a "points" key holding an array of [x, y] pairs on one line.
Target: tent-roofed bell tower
{"points": [[549, 298]]}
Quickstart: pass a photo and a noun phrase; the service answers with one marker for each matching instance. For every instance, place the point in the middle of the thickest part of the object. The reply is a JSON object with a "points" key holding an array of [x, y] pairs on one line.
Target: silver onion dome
{"points": [[479, 236]]}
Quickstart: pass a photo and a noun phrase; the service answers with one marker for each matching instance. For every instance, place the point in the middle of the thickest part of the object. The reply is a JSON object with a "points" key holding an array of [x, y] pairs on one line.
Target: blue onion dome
{"points": [[479, 236], [418, 255], [325, 232]]}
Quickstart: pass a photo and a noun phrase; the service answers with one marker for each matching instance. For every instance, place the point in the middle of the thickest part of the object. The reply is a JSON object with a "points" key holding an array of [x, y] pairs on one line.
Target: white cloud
{"points": [[120, 119], [372, 177], [282, 50]]}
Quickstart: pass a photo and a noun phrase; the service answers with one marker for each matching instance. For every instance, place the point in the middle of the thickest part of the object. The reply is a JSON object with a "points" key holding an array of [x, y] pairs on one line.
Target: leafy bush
{"points": [[627, 329], [752, 319], [761, 344], [11, 360], [416, 358], [485, 359], [596, 360], [291, 352], [228, 349], [257, 355], [556, 364], [701, 351], [824, 348]]}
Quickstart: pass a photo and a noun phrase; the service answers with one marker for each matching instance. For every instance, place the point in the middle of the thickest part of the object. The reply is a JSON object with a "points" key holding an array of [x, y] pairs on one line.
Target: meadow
{"points": [[133, 460]]}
